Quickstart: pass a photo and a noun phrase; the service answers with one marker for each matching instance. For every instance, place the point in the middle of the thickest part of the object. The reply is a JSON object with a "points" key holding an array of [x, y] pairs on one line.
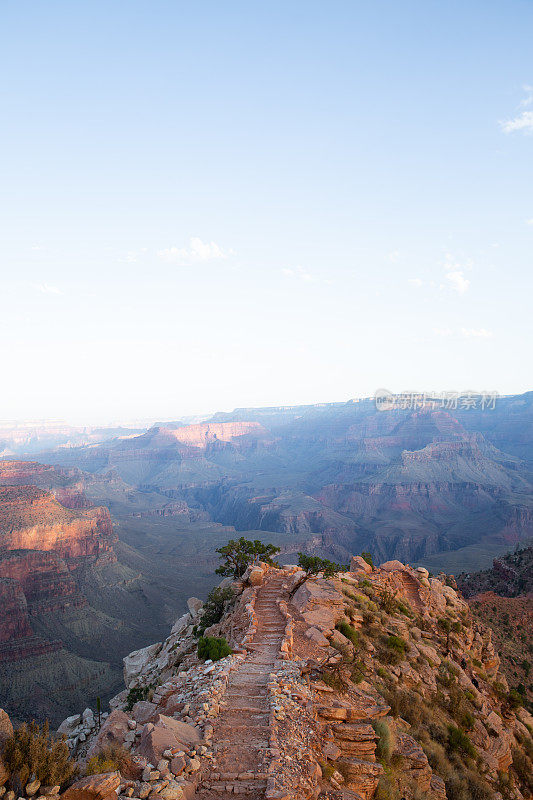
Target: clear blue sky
{"points": [[211, 204]]}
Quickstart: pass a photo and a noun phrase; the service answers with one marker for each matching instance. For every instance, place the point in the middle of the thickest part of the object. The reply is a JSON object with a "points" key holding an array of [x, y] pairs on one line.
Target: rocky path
{"points": [[241, 731], [411, 591]]}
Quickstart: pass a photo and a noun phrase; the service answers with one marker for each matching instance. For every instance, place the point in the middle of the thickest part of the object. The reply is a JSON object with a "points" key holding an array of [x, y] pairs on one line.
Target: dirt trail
{"points": [[241, 731]]}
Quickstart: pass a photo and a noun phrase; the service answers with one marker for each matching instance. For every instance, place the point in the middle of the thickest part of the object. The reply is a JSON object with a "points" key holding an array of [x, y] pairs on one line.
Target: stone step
{"points": [[234, 776], [250, 788]]}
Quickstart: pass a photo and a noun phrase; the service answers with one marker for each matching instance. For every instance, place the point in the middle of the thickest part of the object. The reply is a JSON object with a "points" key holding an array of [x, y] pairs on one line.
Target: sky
{"points": [[218, 204]]}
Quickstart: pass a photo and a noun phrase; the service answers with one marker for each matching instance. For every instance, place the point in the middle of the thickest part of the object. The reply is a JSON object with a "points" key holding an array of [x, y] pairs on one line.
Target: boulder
{"points": [[112, 732], [341, 643], [136, 662], [6, 728], [392, 566], [194, 605], [69, 724], [255, 576], [320, 603], [172, 791], [317, 637], [88, 718], [358, 564], [32, 788], [94, 787], [180, 624], [177, 765], [163, 734], [143, 711]]}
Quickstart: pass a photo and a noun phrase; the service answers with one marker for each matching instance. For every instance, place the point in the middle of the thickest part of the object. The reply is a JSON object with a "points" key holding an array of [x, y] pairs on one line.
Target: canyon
{"points": [[423, 484], [101, 544]]}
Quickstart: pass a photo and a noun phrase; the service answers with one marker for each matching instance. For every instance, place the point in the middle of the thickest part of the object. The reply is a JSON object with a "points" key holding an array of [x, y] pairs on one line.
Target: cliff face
{"points": [[14, 623], [33, 519], [45, 549], [503, 598], [238, 433], [374, 683]]}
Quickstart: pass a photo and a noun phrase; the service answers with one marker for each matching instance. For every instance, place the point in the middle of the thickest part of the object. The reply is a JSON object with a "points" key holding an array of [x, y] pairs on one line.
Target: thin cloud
{"points": [[196, 252], [129, 258], [529, 221], [415, 282], [457, 280], [300, 274], [476, 333], [463, 333], [45, 288], [522, 122]]}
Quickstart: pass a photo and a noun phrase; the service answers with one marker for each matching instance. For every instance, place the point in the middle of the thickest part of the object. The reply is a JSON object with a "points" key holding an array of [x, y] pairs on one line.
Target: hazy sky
{"points": [[214, 204]]}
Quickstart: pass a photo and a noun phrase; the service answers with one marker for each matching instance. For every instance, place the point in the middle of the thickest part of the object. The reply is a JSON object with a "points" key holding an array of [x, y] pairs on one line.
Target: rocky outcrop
{"points": [[94, 787], [32, 519], [336, 689]]}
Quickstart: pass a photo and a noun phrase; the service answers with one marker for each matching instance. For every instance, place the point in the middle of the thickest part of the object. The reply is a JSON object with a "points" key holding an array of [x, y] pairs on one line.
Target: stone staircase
{"points": [[410, 590], [241, 731]]}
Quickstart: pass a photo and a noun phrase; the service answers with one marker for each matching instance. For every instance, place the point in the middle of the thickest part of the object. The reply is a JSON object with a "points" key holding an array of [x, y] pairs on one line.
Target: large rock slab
{"points": [[163, 734], [94, 787], [135, 662], [112, 732], [143, 711], [358, 564], [392, 566], [6, 728], [321, 604]]}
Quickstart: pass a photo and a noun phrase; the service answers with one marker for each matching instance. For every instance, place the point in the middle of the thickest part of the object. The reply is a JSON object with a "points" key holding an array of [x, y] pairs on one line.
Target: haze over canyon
{"points": [[102, 542]]}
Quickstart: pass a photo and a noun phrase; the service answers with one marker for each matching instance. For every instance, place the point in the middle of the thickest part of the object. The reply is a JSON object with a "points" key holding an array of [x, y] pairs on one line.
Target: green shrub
{"points": [[438, 760], [385, 743], [404, 609], [459, 742], [405, 704], [515, 699], [386, 789], [215, 606], [31, 750], [397, 644], [523, 768], [312, 565], [136, 694], [109, 759], [346, 629], [238, 554], [387, 601], [213, 647], [368, 558]]}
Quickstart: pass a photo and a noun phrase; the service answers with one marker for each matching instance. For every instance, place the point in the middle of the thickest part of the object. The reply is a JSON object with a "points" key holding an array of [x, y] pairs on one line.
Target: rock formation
{"points": [[373, 681]]}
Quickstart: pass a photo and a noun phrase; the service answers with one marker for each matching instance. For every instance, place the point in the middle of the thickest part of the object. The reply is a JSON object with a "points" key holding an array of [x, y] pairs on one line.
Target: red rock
{"points": [[358, 564], [94, 787], [32, 519], [112, 732], [143, 711], [177, 765], [163, 734]]}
